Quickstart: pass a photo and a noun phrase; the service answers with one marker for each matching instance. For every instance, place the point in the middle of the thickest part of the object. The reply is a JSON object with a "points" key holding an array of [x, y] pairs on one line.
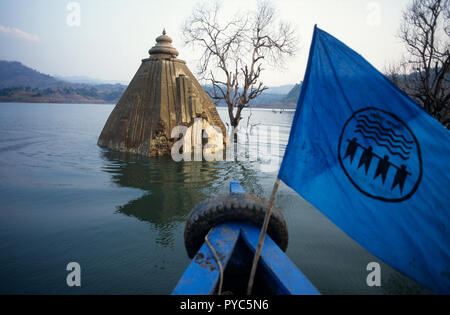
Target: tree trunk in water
{"points": [[234, 121]]}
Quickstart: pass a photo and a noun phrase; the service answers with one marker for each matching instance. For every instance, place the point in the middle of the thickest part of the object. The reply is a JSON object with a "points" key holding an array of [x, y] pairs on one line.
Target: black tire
{"points": [[232, 207]]}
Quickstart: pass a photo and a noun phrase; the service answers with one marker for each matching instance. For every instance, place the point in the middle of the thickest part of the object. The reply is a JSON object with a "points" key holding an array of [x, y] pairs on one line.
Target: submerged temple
{"points": [[163, 94]]}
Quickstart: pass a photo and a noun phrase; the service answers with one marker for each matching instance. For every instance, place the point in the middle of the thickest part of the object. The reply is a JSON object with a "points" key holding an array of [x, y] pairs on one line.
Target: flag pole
{"points": [[277, 182], [262, 236]]}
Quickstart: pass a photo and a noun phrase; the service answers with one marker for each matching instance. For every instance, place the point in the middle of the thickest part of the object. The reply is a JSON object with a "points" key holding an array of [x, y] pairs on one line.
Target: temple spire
{"points": [[163, 47], [163, 95]]}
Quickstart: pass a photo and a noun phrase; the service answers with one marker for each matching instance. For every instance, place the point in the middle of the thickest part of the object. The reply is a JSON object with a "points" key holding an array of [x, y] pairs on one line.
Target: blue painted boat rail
{"points": [[236, 188], [202, 275]]}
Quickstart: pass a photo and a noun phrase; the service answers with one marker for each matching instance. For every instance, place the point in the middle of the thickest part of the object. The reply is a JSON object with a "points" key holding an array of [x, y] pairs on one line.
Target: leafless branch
{"points": [[234, 51], [424, 71]]}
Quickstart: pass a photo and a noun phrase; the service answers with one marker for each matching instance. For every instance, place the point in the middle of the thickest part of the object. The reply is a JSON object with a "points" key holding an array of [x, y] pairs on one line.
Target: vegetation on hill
{"points": [[292, 96], [13, 74], [19, 83]]}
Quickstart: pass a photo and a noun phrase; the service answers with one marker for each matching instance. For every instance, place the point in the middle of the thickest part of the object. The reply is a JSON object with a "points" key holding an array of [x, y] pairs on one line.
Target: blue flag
{"points": [[370, 159]]}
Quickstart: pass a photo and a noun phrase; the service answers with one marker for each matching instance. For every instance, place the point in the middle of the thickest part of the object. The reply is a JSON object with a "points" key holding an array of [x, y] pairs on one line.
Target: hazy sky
{"points": [[114, 35]]}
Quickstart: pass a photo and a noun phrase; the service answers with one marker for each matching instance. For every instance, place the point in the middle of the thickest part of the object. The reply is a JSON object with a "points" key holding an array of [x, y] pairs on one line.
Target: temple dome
{"points": [[163, 46], [163, 95]]}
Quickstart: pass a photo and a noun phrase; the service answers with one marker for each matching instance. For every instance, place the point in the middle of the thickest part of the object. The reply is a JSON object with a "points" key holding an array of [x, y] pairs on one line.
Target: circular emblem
{"points": [[380, 155]]}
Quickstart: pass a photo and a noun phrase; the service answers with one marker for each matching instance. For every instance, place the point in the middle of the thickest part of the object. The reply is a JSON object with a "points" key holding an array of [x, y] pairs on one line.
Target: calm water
{"points": [[64, 199]]}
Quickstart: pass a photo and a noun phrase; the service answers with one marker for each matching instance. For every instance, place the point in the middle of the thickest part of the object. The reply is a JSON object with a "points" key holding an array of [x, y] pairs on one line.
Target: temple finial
{"points": [[163, 46]]}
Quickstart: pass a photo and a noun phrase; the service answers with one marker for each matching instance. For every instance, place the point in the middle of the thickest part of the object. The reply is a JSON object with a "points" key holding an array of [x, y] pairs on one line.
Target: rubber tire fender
{"points": [[232, 207]]}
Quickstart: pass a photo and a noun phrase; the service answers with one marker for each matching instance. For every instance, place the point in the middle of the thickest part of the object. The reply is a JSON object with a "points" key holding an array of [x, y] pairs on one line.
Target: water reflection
{"points": [[58, 204], [171, 189]]}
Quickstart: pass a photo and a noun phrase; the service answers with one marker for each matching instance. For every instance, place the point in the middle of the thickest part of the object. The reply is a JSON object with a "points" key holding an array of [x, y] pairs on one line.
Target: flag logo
{"points": [[380, 155]]}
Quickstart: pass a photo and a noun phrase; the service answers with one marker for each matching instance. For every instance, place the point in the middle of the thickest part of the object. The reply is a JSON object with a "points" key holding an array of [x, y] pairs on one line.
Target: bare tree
{"points": [[425, 69], [234, 51]]}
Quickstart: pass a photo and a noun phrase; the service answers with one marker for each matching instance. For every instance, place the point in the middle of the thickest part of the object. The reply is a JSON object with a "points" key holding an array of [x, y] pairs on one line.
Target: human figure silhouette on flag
{"points": [[366, 158], [400, 178], [383, 168]]}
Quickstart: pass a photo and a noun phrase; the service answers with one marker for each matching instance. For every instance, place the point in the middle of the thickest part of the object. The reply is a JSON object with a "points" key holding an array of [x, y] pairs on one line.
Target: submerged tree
{"points": [[424, 72], [234, 51]]}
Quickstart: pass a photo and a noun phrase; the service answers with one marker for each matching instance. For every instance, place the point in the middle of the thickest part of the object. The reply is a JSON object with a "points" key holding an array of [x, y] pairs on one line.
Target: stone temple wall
{"points": [[163, 94]]}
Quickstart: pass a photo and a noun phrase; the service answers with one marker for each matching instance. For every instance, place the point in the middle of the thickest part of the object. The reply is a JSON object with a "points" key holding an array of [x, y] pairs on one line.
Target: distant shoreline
{"points": [[53, 102], [288, 107], [60, 96], [21, 84]]}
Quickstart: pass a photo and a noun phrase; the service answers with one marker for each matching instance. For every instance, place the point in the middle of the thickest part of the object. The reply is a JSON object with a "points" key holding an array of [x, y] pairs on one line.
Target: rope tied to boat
{"points": [[217, 260], [262, 235]]}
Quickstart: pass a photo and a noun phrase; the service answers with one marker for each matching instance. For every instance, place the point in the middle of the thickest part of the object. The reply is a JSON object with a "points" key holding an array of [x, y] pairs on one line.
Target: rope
{"points": [[218, 261], [262, 235]]}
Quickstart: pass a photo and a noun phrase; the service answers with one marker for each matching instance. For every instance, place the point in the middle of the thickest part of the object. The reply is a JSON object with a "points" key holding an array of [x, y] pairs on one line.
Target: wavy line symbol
{"points": [[376, 129], [388, 130], [396, 144], [383, 145], [381, 139]]}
